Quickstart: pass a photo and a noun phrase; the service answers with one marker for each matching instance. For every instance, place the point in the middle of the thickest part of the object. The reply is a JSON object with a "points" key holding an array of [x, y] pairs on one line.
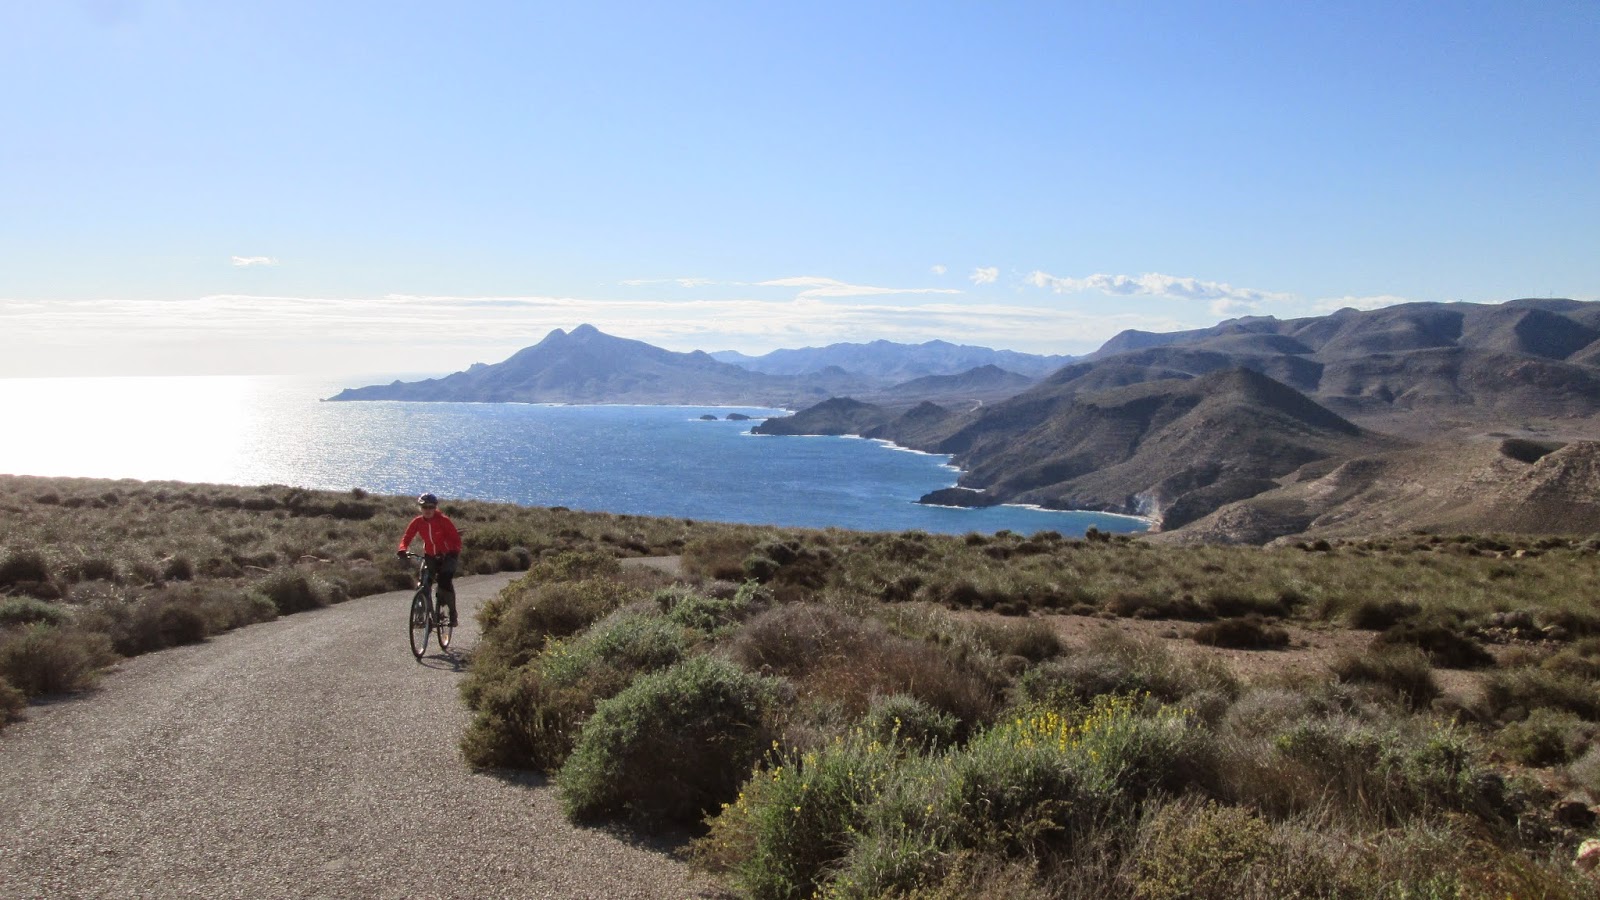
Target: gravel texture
{"points": [[307, 757]]}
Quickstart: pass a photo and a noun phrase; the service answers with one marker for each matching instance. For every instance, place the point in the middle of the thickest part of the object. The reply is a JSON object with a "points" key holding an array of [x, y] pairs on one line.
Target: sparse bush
{"points": [[91, 568], [1545, 738], [22, 568], [1403, 671], [1512, 695], [1379, 614], [178, 568], [1115, 664], [1446, 647], [44, 659], [672, 746], [1249, 633], [12, 703], [843, 661], [292, 591], [1030, 639]]}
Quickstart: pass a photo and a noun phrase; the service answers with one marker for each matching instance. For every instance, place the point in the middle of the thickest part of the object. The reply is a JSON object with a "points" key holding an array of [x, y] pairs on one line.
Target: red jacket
{"points": [[439, 535]]}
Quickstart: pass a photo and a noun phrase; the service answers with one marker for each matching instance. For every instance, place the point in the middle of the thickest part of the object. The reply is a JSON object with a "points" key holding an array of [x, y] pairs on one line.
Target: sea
{"points": [[642, 460]]}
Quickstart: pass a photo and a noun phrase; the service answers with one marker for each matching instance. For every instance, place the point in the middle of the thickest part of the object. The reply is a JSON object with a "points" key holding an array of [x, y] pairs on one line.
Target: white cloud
{"points": [[247, 261], [985, 275], [817, 287], [1154, 285], [1229, 308], [939, 270], [1377, 302], [245, 333]]}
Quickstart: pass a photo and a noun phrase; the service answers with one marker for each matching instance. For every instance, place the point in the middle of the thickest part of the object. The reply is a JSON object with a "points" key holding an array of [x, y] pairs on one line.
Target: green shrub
{"points": [[795, 820], [902, 718], [1029, 789], [44, 659], [1195, 851], [1403, 671], [1249, 633], [28, 610], [571, 566], [672, 746], [711, 615], [529, 613]]}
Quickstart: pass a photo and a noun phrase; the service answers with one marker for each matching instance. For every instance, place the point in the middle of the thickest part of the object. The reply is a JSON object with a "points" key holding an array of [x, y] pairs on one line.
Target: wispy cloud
{"points": [[248, 261], [1377, 302], [1155, 285], [681, 282], [817, 287], [985, 275], [939, 270]]}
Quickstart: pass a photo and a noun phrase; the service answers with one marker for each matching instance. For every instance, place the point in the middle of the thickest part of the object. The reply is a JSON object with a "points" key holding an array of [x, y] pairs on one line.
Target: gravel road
{"points": [[307, 757]]}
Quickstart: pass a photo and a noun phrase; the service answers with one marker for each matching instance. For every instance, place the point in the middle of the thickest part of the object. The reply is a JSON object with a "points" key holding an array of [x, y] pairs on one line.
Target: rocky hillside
{"points": [[1419, 369], [1450, 416]]}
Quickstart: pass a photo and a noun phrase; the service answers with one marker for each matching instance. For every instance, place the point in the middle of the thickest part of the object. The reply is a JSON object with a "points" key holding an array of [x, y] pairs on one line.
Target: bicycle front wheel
{"points": [[421, 623], [443, 630]]}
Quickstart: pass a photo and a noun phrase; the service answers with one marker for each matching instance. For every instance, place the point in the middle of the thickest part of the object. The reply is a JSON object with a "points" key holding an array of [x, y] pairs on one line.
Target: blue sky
{"points": [[331, 187]]}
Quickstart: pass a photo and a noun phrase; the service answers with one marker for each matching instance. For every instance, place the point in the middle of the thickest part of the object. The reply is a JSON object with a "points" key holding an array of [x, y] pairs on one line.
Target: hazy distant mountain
{"points": [[892, 363], [589, 366]]}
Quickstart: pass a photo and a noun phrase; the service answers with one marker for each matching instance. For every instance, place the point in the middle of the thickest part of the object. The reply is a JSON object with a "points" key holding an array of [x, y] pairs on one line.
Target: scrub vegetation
{"points": [[845, 714], [92, 570], [842, 714]]}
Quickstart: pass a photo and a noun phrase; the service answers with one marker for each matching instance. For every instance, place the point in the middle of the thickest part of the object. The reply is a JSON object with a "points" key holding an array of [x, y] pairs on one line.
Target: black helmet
{"points": [[427, 500]]}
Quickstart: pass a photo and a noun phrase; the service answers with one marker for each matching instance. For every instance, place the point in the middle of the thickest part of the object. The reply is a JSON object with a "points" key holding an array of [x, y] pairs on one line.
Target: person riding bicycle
{"points": [[441, 544]]}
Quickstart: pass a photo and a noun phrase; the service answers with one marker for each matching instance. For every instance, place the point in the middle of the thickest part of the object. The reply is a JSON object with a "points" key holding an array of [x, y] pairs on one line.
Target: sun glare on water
{"points": [[150, 428]]}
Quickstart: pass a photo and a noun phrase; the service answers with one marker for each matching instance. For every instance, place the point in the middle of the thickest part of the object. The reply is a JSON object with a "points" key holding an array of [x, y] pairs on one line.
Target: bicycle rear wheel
{"points": [[421, 623]]}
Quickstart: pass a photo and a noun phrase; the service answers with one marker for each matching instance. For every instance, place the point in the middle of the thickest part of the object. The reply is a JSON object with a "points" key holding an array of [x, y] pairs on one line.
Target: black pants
{"points": [[444, 576]]}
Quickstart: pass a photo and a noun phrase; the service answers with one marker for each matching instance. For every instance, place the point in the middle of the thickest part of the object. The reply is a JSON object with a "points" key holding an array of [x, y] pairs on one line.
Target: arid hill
{"points": [[1444, 416]]}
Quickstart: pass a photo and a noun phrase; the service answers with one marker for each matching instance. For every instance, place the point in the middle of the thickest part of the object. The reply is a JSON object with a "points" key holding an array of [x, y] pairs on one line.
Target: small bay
{"points": [[641, 460]]}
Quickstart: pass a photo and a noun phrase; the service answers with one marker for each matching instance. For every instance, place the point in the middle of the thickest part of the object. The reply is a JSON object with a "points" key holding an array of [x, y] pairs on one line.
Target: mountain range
{"points": [[1425, 415], [588, 366]]}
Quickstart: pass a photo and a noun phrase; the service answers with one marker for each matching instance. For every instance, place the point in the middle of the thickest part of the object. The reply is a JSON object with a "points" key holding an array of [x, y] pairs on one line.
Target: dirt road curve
{"points": [[307, 757]]}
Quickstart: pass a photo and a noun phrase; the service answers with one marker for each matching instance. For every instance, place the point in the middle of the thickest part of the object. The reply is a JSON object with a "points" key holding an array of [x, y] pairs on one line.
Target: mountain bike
{"points": [[425, 619]]}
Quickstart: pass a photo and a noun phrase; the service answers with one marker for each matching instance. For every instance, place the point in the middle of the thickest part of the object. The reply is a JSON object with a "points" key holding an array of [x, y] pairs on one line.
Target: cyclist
{"points": [[441, 544]]}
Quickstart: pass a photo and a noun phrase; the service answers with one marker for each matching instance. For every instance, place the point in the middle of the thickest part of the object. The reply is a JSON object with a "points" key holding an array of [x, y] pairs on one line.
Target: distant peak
{"points": [[585, 330]]}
